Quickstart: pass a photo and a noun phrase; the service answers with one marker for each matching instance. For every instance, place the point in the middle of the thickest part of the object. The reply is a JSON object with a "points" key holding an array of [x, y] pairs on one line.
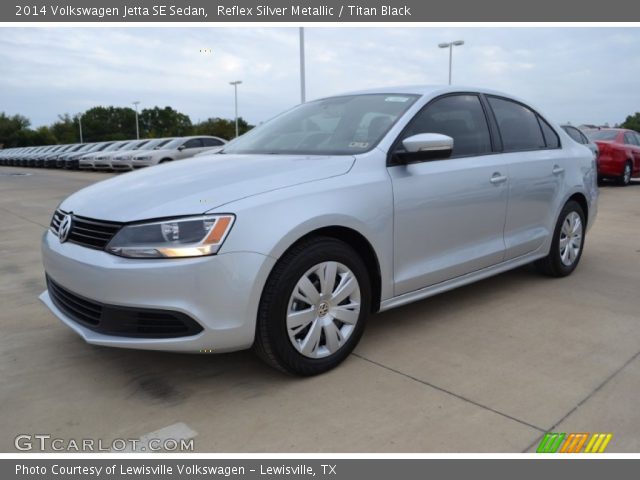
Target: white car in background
{"points": [[122, 159], [212, 151], [103, 162], [178, 149], [86, 161]]}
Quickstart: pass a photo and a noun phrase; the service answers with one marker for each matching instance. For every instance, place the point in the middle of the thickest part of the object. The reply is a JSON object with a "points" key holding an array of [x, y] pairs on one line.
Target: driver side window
{"points": [[193, 143], [460, 117]]}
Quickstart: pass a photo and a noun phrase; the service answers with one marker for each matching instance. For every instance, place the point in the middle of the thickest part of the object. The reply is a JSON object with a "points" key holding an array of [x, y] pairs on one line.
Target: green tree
{"points": [[632, 122], [220, 127], [65, 130], [13, 129], [108, 123], [164, 122]]}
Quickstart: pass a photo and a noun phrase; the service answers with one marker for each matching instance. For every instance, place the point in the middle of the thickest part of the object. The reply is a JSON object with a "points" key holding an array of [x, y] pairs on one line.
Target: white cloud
{"points": [[567, 72]]}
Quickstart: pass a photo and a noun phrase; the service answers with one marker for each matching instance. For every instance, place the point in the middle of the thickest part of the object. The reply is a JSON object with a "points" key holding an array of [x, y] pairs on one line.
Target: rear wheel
{"points": [[314, 307], [625, 178], [567, 243]]}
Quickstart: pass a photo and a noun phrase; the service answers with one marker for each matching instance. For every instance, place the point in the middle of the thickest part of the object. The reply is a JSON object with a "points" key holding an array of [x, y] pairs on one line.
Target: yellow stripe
{"points": [[607, 439], [596, 445], [590, 444]]}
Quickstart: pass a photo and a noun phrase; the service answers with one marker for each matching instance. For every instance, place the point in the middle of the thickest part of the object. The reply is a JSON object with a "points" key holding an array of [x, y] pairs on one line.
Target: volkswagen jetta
{"points": [[306, 225]]}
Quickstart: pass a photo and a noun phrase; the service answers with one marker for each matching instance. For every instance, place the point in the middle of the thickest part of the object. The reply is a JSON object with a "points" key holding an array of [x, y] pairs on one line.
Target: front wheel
{"points": [[567, 243], [314, 307]]}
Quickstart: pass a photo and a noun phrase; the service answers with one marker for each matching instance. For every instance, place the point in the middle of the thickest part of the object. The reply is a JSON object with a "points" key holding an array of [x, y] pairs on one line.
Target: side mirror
{"points": [[181, 147], [424, 147]]}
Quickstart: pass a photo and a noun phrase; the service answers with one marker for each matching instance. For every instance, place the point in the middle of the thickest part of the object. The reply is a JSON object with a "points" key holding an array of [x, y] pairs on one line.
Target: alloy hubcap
{"points": [[323, 309], [570, 238], [627, 173]]}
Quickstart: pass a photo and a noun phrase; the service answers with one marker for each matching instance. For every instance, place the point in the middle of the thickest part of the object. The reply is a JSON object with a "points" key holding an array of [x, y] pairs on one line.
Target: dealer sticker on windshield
{"points": [[359, 144], [396, 99]]}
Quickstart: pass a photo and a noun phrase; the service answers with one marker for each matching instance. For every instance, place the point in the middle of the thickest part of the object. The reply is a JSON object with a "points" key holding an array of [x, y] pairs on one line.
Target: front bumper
{"points": [[142, 163], [102, 164], [121, 165], [221, 293]]}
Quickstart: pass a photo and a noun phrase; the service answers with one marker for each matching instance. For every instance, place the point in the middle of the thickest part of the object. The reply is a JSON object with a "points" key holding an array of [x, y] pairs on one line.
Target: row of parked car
{"points": [[617, 151], [112, 155]]}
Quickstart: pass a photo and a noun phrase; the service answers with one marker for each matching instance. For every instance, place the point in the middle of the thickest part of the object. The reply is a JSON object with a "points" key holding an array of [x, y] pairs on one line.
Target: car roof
{"points": [[431, 90]]}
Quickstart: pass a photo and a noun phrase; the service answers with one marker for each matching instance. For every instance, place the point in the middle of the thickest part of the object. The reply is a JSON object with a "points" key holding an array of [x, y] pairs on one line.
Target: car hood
{"points": [[194, 186]]}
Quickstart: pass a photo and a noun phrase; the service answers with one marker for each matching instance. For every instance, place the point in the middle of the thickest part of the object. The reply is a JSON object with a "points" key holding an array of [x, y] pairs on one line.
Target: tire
{"points": [[561, 262], [165, 160], [625, 177], [307, 350]]}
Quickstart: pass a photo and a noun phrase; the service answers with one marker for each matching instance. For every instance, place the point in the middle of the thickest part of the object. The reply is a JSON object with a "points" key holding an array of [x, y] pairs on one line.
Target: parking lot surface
{"points": [[486, 368]]}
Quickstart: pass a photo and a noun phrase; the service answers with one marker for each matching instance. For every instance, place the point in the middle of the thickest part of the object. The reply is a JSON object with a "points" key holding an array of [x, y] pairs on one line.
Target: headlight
{"points": [[143, 157], [182, 237], [123, 157]]}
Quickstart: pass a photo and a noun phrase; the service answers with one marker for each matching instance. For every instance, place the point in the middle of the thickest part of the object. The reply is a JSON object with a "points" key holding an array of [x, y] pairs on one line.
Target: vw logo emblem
{"points": [[65, 228]]}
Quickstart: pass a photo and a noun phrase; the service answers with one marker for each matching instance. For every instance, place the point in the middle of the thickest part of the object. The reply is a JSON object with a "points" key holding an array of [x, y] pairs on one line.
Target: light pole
{"points": [[136, 103], [235, 87], [302, 67], [450, 46], [80, 125]]}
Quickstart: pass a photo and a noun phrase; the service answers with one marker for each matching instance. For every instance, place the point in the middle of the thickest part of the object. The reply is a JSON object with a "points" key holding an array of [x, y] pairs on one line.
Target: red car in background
{"points": [[619, 153]]}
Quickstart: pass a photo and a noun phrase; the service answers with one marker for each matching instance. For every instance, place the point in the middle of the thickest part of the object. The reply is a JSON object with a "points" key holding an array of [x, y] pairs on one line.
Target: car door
{"points": [[536, 174], [449, 214], [191, 147], [633, 143]]}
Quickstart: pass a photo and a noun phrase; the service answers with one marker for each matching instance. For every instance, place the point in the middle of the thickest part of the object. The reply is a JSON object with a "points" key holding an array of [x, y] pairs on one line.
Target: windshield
{"points": [[124, 145], [98, 147], [173, 144], [136, 145], [156, 144], [331, 126], [602, 134], [87, 147], [114, 146], [162, 144]]}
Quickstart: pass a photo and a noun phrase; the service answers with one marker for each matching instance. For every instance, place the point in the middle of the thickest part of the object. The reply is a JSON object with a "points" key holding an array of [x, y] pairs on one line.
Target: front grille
{"points": [[87, 231], [121, 321], [84, 311]]}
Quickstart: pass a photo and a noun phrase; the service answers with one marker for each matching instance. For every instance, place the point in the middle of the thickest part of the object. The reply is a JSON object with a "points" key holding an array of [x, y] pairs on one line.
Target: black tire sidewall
{"points": [[622, 180], [560, 267], [283, 284]]}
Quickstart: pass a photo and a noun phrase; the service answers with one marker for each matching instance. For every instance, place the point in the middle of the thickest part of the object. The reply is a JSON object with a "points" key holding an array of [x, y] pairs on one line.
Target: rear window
{"points": [[519, 127], [602, 134]]}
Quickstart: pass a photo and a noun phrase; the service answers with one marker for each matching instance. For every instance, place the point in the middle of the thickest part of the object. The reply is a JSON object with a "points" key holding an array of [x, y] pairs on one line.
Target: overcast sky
{"points": [[581, 75]]}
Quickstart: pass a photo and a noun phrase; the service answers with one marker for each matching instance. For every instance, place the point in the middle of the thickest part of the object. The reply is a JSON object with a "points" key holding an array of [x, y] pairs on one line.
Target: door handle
{"points": [[557, 170], [498, 178]]}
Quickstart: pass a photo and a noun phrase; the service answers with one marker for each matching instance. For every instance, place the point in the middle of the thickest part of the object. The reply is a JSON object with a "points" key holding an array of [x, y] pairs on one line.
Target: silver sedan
{"points": [[307, 224]]}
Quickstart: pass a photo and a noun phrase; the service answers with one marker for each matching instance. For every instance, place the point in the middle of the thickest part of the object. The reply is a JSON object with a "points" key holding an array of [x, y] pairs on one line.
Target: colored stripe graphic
{"points": [[574, 442], [553, 442], [550, 442], [598, 443]]}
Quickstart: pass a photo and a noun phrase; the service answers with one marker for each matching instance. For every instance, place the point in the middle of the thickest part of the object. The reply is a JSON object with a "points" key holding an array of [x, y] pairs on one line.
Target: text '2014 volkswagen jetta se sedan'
{"points": [[301, 228]]}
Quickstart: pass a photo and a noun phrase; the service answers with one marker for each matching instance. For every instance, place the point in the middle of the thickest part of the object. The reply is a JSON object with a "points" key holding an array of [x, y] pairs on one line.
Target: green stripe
{"points": [[559, 440], [550, 442]]}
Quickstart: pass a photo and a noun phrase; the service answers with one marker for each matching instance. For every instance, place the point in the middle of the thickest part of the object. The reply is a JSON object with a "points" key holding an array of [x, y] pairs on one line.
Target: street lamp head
{"points": [[237, 82], [457, 43], [443, 45]]}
